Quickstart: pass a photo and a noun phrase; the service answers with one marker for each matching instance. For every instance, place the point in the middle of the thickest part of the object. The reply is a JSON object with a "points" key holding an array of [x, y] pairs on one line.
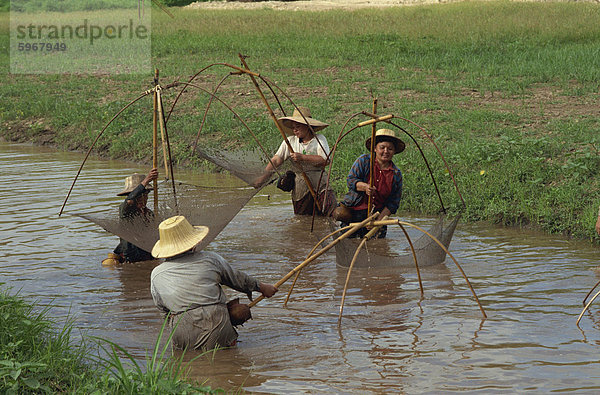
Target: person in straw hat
{"points": [[187, 287], [133, 208], [387, 185], [310, 154]]}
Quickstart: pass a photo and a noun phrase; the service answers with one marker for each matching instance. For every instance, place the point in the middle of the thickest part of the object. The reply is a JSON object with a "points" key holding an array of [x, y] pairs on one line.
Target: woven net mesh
{"points": [[212, 206]]}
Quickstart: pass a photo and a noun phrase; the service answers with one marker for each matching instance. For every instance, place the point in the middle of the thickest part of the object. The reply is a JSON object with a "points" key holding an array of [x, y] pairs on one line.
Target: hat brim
{"points": [[167, 250], [287, 123], [128, 191], [398, 144]]}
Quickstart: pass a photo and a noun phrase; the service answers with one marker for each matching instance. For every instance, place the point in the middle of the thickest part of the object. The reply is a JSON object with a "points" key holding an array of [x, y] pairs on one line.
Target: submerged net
{"points": [[383, 252]]}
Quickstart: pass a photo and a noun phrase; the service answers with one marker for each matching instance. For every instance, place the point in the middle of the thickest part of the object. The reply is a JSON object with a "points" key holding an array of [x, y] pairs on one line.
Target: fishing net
{"points": [[247, 165], [396, 251], [214, 207]]}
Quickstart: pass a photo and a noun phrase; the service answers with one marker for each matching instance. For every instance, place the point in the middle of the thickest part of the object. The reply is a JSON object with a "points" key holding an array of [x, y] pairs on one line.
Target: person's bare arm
{"points": [[152, 175], [274, 163]]}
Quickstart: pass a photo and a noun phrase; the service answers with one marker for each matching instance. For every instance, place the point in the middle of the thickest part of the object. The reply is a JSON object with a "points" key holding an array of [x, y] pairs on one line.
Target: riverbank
{"points": [[40, 355], [508, 90]]}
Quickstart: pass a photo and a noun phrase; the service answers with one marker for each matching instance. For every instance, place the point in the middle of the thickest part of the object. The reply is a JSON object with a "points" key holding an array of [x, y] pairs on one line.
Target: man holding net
{"points": [[308, 153], [132, 209], [187, 287]]}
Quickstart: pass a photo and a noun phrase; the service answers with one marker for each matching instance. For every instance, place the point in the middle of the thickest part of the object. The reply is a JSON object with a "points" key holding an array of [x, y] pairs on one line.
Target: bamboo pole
{"points": [[89, 151], [372, 161], [412, 249], [374, 120], [161, 122], [589, 293], [285, 139], [308, 256], [167, 148], [352, 230], [155, 138], [366, 237], [586, 307], [442, 246]]}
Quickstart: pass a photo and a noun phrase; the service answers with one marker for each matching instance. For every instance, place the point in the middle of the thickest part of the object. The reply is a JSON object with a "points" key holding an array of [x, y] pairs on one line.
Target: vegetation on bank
{"points": [[509, 91], [37, 356]]}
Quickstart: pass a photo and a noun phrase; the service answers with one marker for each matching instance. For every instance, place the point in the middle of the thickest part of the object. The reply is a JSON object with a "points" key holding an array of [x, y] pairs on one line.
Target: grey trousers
{"points": [[203, 328]]}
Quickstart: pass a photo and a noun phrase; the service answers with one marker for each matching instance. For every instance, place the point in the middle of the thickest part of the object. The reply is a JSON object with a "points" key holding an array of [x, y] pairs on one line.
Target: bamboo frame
{"points": [[377, 224], [366, 237], [589, 303], [162, 134], [166, 149], [155, 137], [586, 307], [352, 230], [414, 254], [372, 159], [589, 293]]}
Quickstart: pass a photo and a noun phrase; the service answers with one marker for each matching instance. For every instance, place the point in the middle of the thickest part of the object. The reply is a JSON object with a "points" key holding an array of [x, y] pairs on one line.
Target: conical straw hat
{"points": [[386, 135], [177, 235], [132, 182], [287, 122]]}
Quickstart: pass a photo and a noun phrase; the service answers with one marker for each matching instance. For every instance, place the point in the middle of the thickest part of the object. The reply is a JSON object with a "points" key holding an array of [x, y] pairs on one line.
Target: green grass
{"points": [[508, 88], [38, 356]]}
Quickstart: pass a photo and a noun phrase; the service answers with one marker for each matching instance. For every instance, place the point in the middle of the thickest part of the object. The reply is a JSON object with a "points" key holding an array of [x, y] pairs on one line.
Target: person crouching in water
{"points": [[133, 208], [187, 287], [387, 185], [310, 154]]}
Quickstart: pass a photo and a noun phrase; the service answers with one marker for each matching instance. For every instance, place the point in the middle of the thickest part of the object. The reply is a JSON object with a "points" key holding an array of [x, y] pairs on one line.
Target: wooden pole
{"points": [[372, 161], [161, 121], [378, 119], [366, 237], [155, 139], [309, 255], [272, 114], [414, 254], [439, 243], [589, 293], [586, 307], [352, 230]]}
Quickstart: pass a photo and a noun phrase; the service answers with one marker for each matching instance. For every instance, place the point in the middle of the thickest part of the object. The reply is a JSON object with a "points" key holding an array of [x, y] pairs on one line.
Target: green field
{"points": [[509, 91]]}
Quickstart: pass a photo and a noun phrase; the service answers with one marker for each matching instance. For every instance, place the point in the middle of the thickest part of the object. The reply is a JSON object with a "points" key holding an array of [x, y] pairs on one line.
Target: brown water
{"points": [[390, 339]]}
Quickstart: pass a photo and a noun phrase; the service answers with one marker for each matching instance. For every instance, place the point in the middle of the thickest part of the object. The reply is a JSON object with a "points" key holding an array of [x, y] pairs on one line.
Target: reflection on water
{"points": [[390, 339]]}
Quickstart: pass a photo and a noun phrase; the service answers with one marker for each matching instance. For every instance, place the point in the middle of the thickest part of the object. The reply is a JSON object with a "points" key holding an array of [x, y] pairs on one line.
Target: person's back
{"points": [[187, 287], [194, 279]]}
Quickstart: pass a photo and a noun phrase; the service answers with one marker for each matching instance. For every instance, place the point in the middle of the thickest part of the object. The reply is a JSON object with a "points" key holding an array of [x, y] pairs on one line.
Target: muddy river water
{"points": [[390, 339]]}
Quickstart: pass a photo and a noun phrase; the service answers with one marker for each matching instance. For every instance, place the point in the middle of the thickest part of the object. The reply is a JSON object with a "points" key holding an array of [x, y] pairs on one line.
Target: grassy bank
{"points": [[39, 356], [508, 90]]}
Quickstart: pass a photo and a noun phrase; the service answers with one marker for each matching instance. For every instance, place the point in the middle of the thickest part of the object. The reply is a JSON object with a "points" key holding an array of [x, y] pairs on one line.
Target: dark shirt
{"points": [[360, 172], [129, 251]]}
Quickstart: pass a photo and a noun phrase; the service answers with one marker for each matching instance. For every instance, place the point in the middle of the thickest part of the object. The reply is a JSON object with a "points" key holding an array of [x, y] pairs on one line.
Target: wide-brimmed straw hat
{"points": [[132, 182], [386, 135], [177, 235], [287, 122]]}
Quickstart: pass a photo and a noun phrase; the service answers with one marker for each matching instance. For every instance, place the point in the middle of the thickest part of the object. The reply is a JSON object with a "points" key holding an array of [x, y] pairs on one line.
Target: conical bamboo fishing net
{"points": [[214, 207]]}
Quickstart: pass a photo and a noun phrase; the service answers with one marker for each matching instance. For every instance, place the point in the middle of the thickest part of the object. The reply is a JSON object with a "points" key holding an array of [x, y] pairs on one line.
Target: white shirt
{"points": [[312, 147]]}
